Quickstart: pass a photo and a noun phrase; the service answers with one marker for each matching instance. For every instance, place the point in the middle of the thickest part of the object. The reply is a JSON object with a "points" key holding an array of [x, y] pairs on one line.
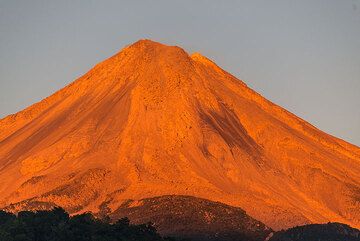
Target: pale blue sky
{"points": [[302, 54]]}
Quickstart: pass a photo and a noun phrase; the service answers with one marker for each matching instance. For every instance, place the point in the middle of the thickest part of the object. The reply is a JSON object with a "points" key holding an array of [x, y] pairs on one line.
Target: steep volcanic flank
{"points": [[153, 121]]}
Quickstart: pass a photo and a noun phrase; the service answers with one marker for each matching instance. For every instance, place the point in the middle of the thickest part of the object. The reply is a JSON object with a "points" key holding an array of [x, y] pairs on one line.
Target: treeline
{"points": [[57, 225]]}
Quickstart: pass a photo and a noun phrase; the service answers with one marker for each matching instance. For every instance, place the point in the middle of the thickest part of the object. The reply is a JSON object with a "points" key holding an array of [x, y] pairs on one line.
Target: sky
{"points": [[303, 55]]}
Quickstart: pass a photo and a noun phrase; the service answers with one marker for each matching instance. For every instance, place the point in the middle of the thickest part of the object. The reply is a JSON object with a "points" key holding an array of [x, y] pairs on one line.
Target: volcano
{"points": [[153, 121]]}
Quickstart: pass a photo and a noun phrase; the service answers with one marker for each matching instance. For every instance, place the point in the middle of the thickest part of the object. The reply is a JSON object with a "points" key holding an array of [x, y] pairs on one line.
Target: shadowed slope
{"points": [[194, 218], [152, 121]]}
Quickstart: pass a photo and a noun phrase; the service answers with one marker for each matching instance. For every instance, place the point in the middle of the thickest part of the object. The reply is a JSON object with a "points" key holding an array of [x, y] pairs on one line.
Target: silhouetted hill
{"points": [[318, 232], [194, 218]]}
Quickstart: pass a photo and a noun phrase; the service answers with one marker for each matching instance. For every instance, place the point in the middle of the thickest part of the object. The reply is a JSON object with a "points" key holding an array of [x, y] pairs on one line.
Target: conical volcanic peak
{"points": [[152, 121]]}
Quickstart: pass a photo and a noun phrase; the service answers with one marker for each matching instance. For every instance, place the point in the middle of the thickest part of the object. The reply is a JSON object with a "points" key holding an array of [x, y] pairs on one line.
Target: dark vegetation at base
{"points": [[318, 232], [56, 225]]}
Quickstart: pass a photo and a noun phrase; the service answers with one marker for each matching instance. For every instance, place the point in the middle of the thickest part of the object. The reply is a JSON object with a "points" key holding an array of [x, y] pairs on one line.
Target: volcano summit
{"points": [[154, 121]]}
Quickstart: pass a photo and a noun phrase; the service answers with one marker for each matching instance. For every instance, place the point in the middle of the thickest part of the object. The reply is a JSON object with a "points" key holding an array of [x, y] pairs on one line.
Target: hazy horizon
{"points": [[304, 56]]}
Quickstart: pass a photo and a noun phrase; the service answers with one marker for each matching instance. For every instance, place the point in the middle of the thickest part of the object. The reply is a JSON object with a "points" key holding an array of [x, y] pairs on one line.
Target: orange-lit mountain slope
{"points": [[153, 120]]}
